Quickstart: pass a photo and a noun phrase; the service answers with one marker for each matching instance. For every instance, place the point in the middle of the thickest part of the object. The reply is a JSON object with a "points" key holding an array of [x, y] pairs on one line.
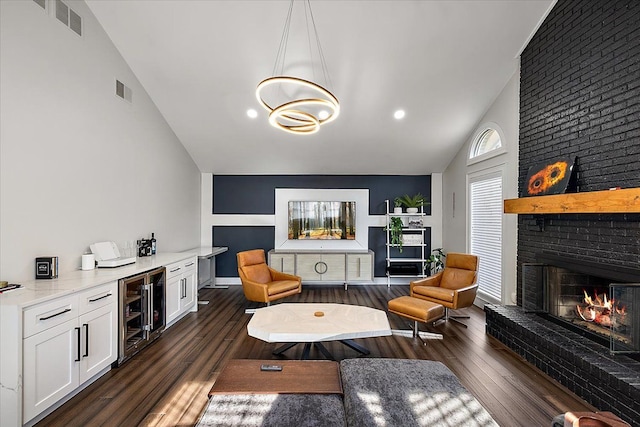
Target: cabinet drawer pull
{"points": [[99, 298], [78, 331], [86, 339], [190, 264], [57, 314], [174, 270]]}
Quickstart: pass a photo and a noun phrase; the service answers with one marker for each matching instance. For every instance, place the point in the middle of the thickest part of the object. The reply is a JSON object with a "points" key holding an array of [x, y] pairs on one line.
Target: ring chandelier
{"points": [[302, 115]]}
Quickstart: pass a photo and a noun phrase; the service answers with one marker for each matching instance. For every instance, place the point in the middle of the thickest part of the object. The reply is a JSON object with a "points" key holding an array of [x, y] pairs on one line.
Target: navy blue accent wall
{"points": [[239, 239], [255, 195]]}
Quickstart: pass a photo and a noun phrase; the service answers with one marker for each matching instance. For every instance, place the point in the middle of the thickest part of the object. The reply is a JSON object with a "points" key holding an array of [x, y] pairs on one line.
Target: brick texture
{"points": [[580, 96], [610, 383]]}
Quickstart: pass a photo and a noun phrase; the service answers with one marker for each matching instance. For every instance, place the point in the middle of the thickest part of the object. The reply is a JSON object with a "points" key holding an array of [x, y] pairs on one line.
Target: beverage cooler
{"points": [[142, 311]]}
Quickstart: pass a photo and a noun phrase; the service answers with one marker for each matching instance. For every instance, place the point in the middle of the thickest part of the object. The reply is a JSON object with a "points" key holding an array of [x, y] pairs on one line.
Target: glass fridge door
{"points": [[157, 301], [133, 315]]}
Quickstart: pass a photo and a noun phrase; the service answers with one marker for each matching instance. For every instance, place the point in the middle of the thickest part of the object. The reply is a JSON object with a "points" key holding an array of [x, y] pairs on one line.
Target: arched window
{"points": [[487, 141]]}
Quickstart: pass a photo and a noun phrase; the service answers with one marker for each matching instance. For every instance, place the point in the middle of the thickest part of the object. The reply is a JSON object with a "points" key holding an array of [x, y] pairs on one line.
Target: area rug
{"points": [[274, 410], [407, 393]]}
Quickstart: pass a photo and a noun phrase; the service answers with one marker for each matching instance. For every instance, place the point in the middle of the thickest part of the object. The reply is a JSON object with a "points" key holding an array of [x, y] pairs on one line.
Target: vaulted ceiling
{"points": [[443, 62]]}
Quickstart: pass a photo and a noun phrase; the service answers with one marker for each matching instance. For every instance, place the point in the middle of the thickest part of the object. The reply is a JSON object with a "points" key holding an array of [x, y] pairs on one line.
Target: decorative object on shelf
{"points": [[435, 262], [397, 206], [415, 223], [412, 203], [395, 231], [312, 105], [412, 239], [555, 177]]}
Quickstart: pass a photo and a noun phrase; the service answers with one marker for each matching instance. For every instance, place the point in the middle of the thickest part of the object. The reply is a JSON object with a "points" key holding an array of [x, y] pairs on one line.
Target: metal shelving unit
{"points": [[394, 256]]}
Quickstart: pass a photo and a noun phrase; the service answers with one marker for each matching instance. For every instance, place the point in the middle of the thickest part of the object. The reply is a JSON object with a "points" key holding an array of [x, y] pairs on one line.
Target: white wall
{"points": [[505, 113], [78, 164]]}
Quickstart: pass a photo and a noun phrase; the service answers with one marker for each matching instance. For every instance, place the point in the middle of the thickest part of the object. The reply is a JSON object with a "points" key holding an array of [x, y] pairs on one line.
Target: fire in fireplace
{"points": [[601, 311]]}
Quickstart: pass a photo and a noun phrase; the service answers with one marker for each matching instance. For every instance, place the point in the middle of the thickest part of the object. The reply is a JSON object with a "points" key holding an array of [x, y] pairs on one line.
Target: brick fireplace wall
{"points": [[580, 96]]}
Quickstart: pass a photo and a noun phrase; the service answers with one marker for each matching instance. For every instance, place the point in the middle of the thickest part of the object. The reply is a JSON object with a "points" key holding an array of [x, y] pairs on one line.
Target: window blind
{"points": [[486, 233]]}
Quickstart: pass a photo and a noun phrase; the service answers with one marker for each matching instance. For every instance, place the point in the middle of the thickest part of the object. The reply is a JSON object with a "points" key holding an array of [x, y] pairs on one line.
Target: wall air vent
{"points": [[68, 17], [41, 3], [123, 91]]}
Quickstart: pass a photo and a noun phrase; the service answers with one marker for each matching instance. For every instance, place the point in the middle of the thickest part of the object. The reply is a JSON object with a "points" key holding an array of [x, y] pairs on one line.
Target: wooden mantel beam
{"points": [[609, 201]]}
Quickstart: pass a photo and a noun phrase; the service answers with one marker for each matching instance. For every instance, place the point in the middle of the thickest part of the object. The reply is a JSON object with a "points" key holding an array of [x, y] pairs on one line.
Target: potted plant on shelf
{"points": [[412, 203], [435, 262], [395, 232], [397, 205]]}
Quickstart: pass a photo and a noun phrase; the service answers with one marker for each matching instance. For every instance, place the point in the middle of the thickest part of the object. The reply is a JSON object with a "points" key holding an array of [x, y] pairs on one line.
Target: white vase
{"points": [[397, 209], [412, 210]]}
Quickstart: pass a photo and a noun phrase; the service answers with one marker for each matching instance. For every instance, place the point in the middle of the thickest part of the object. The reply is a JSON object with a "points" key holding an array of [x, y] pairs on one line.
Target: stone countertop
{"points": [[38, 291]]}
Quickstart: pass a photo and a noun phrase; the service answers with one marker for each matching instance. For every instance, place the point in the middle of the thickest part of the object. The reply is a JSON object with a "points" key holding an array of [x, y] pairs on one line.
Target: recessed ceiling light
{"points": [[399, 114], [323, 114], [252, 113]]}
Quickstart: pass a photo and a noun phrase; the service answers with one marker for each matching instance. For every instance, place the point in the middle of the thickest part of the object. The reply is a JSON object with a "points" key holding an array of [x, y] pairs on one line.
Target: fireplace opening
{"points": [[586, 298]]}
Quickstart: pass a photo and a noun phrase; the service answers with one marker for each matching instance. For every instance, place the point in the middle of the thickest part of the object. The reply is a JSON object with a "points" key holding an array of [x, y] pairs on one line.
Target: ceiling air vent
{"points": [[68, 17], [123, 91], [41, 3]]}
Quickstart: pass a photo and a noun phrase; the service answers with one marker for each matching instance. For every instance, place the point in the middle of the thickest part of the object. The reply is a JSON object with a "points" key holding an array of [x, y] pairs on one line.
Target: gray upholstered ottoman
{"points": [[402, 392]]}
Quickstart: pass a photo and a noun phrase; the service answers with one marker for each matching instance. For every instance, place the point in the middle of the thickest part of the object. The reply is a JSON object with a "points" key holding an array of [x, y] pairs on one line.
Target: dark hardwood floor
{"points": [[167, 383]]}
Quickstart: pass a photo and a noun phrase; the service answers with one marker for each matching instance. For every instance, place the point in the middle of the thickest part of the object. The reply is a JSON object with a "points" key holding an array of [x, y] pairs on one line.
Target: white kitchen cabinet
{"points": [[66, 342], [98, 352], [181, 289], [50, 367]]}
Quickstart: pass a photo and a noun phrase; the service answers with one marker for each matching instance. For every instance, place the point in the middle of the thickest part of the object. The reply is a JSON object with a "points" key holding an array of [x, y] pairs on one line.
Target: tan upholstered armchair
{"points": [[454, 287], [262, 283]]}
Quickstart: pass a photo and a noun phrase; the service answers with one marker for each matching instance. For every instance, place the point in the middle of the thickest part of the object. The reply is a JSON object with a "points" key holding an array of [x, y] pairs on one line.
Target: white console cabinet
{"points": [[359, 267], [66, 342], [182, 289], [283, 262], [329, 266]]}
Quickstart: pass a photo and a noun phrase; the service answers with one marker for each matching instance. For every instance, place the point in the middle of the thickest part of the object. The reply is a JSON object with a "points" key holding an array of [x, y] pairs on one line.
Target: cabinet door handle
{"points": [[174, 270], [78, 334], [150, 309], [57, 314], [323, 265], [189, 265], [86, 339], [99, 298]]}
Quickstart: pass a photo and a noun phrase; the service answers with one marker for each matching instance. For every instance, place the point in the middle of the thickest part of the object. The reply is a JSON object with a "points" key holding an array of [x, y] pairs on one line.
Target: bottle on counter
{"points": [[153, 244]]}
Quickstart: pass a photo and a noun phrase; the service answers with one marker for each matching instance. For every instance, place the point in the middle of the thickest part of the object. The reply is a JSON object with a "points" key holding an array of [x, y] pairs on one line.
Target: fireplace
{"points": [[581, 353], [596, 301]]}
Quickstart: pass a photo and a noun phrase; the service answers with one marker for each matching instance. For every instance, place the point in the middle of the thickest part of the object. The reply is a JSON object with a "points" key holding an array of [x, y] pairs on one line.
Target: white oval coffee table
{"points": [[313, 323]]}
